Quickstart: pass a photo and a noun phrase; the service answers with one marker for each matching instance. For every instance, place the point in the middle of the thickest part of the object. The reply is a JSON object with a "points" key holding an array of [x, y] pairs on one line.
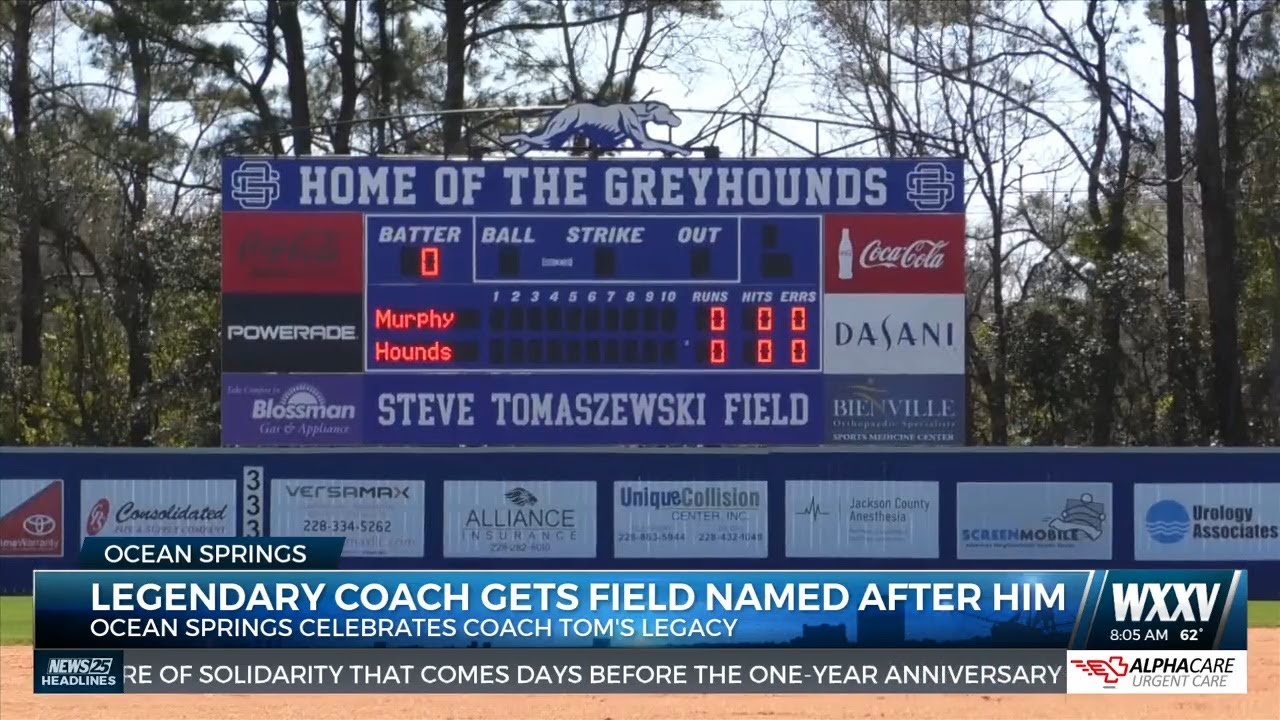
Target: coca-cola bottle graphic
{"points": [[844, 257]]}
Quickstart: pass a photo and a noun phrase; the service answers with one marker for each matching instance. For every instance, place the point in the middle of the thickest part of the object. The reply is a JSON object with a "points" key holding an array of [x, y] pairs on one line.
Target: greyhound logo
{"points": [[607, 127]]}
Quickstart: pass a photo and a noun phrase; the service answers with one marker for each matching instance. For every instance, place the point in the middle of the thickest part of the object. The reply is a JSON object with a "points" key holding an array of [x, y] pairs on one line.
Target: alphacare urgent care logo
{"points": [[877, 253]]}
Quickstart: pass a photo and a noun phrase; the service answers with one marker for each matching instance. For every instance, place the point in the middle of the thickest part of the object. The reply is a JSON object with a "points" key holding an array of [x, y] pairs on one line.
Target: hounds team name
{"points": [[576, 186]]}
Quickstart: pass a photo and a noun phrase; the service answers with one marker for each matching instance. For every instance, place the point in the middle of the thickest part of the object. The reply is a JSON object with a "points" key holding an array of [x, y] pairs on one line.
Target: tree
{"points": [[31, 314], [1219, 233]]}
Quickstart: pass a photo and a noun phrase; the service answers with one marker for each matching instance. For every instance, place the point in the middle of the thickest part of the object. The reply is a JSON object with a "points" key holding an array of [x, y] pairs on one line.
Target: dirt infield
{"points": [[1262, 703]]}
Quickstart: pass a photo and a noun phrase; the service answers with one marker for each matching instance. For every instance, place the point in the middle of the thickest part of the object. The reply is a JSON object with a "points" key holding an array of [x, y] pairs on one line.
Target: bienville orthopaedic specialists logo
{"points": [[925, 410]]}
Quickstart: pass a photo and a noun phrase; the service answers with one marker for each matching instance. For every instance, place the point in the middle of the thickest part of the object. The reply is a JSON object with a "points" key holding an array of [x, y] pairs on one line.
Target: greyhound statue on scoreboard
{"points": [[608, 127]]}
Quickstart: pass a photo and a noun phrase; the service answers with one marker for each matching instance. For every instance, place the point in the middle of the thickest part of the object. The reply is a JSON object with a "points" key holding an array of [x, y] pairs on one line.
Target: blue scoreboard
{"points": [[570, 302]]}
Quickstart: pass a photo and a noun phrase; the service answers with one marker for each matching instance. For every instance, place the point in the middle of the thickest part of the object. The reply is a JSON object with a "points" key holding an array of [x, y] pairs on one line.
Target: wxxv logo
{"points": [[1151, 610], [1151, 602]]}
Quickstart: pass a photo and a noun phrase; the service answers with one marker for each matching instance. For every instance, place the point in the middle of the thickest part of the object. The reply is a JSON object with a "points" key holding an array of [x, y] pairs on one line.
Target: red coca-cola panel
{"points": [[295, 253], [893, 254]]}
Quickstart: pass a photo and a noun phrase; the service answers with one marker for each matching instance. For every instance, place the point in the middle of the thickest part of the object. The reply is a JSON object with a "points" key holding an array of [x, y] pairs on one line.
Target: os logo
{"points": [[97, 517], [1168, 522]]}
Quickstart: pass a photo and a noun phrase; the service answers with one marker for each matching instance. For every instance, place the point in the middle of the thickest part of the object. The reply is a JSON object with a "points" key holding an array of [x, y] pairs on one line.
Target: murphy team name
{"points": [[578, 186], [596, 409]]}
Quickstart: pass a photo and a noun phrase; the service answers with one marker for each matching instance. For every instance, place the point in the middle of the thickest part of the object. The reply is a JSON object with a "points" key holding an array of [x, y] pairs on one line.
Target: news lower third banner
{"points": [[325, 631]]}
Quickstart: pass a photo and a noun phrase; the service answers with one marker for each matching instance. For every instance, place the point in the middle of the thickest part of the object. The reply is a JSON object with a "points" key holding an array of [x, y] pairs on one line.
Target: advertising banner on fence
{"points": [[292, 409], [895, 409], [31, 518], [292, 333], [718, 519], [862, 519], [893, 253], [540, 519], [379, 518], [1206, 521], [910, 334], [1033, 521], [158, 507]]}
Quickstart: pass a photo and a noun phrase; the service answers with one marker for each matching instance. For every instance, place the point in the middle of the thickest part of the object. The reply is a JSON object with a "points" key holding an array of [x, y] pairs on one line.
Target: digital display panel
{"points": [[586, 302], [591, 293]]}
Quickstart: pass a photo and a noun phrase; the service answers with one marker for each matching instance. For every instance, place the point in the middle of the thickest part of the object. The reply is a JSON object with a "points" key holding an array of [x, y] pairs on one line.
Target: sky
{"points": [[724, 58]]}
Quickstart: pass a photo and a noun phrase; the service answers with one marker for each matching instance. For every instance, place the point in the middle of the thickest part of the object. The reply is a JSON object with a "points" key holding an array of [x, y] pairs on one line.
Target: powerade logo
{"points": [[272, 333], [691, 497], [1169, 522]]}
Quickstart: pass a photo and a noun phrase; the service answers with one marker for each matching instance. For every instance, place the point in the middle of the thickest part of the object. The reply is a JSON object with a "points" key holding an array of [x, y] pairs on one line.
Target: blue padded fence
{"points": [[1146, 508]]}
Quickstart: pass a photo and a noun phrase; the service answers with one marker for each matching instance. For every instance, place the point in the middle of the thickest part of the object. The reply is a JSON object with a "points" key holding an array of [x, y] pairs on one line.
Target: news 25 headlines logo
{"points": [[71, 672], [255, 185]]}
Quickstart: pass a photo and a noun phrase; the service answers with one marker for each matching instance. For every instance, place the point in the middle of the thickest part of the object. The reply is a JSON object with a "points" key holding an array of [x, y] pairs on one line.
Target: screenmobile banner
{"points": [[1206, 521], [497, 519], [378, 518], [1033, 521], [31, 518], [862, 518], [715, 519], [158, 507], [676, 409]]}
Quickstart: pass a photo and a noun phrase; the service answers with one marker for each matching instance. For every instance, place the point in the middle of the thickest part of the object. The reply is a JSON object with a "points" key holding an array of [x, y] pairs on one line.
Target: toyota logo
{"points": [[39, 525]]}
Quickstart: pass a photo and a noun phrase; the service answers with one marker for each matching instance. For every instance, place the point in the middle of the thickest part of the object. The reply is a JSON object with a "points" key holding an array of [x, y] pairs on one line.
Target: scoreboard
{"points": [[583, 293], [570, 302]]}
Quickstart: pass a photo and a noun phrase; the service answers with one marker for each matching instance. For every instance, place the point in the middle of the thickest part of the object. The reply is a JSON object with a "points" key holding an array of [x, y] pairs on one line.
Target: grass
{"points": [[16, 618]]}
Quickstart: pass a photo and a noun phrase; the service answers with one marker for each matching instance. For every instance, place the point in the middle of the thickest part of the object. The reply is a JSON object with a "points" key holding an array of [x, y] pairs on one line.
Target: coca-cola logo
{"points": [[919, 255]]}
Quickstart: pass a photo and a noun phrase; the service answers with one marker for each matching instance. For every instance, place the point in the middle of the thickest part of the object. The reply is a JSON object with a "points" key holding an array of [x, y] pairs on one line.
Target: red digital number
{"points": [[764, 351], [429, 262], [799, 319], [716, 351], [764, 318], [799, 351], [718, 318]]}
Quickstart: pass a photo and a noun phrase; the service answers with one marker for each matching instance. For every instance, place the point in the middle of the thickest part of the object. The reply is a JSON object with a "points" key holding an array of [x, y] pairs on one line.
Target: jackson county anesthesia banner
{"points": [[222, 631]]}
